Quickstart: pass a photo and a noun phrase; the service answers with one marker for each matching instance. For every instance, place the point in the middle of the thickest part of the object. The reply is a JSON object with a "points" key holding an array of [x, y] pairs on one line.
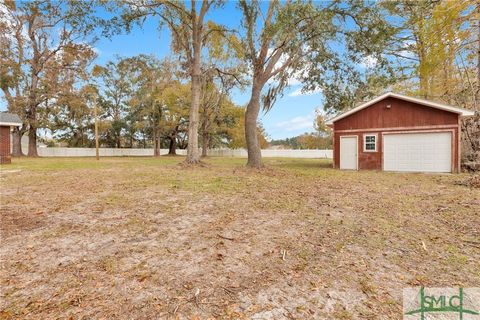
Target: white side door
{"points": [[418, 152], [348, 153]]}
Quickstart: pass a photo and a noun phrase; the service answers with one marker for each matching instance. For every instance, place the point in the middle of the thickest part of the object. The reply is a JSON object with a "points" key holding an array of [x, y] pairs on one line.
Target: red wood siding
{"points": [[5, 145], [403, 116]]}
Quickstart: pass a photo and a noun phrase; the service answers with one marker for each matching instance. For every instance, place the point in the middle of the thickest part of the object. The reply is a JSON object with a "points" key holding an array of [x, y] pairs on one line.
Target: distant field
{"points": [[146, 238]]}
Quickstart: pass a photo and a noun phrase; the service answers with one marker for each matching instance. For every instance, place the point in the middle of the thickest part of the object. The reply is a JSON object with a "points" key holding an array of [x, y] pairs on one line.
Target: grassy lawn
{"points": [[145, 238]]}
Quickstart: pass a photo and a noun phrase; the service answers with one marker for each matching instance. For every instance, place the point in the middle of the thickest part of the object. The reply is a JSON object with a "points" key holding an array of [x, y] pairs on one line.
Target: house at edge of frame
{"points": [[7, 121], [394, 132]]}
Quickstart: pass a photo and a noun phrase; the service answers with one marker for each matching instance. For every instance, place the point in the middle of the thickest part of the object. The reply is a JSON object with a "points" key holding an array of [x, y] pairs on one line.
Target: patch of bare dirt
{"points": [[14, 222], [142, 240]]}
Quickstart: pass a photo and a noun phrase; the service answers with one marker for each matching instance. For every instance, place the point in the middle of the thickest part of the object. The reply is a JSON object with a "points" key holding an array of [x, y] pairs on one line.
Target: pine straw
{"points": [[472, 181], [475, 181], [144, 238]]}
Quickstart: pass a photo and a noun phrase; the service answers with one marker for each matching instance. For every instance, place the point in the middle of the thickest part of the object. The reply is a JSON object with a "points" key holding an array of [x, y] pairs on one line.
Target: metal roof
{"points": [[10, 119]]}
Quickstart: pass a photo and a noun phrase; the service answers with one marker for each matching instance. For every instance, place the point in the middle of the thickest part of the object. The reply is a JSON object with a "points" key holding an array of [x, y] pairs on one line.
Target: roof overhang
{"points": [[10, 124], [460, 111]]}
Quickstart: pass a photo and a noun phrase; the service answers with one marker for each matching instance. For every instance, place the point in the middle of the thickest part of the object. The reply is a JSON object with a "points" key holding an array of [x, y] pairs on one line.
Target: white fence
{"points": [[104, 152], [273, 153], [113, 152]]}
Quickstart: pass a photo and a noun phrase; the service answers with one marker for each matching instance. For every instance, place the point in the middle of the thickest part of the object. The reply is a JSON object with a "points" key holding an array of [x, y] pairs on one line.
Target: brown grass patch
{"points": [[146, 238]]}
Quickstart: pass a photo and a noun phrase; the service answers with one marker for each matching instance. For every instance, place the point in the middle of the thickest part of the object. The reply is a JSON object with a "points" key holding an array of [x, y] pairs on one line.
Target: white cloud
{"points": [[297, 123], [409, 49], [97, 51], [298, 92], [369, 62]]}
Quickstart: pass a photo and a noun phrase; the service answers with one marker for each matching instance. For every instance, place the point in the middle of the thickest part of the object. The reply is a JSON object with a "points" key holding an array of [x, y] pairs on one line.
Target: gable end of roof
{"points": [[460, 111]]}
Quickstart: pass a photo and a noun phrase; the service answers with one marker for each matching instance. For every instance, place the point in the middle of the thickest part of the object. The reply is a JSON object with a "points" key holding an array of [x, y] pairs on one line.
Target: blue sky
{"points": [[293, 114]]}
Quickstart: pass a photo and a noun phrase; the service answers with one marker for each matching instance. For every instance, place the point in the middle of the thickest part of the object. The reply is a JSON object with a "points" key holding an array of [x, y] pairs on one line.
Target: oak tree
{"points": [[190, 32], [38, 38], [297, 39]]}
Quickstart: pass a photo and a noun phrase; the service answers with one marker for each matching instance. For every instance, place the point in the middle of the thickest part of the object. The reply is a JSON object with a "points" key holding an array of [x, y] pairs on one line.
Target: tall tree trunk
{"points": [[17, 142], [156, 142], [478, 61], [157, 146], [32, 95], [32, 116], [193, 155], [205, 144], [172, 149], [205, 136], [251, 116], [159, 141], [32, 141], [422, 74]]}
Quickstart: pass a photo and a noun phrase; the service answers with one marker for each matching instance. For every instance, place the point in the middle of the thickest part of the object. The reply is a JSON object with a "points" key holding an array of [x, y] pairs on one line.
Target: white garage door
{"points": [[418, 152]]}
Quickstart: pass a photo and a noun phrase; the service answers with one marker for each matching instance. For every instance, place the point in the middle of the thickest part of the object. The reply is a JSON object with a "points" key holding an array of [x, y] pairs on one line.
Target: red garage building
{"points": [[394, 132], [7, 120]]}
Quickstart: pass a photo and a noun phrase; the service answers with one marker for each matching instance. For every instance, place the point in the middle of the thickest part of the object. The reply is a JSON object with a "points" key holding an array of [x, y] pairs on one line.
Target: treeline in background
{"points": [[350, 51]]}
